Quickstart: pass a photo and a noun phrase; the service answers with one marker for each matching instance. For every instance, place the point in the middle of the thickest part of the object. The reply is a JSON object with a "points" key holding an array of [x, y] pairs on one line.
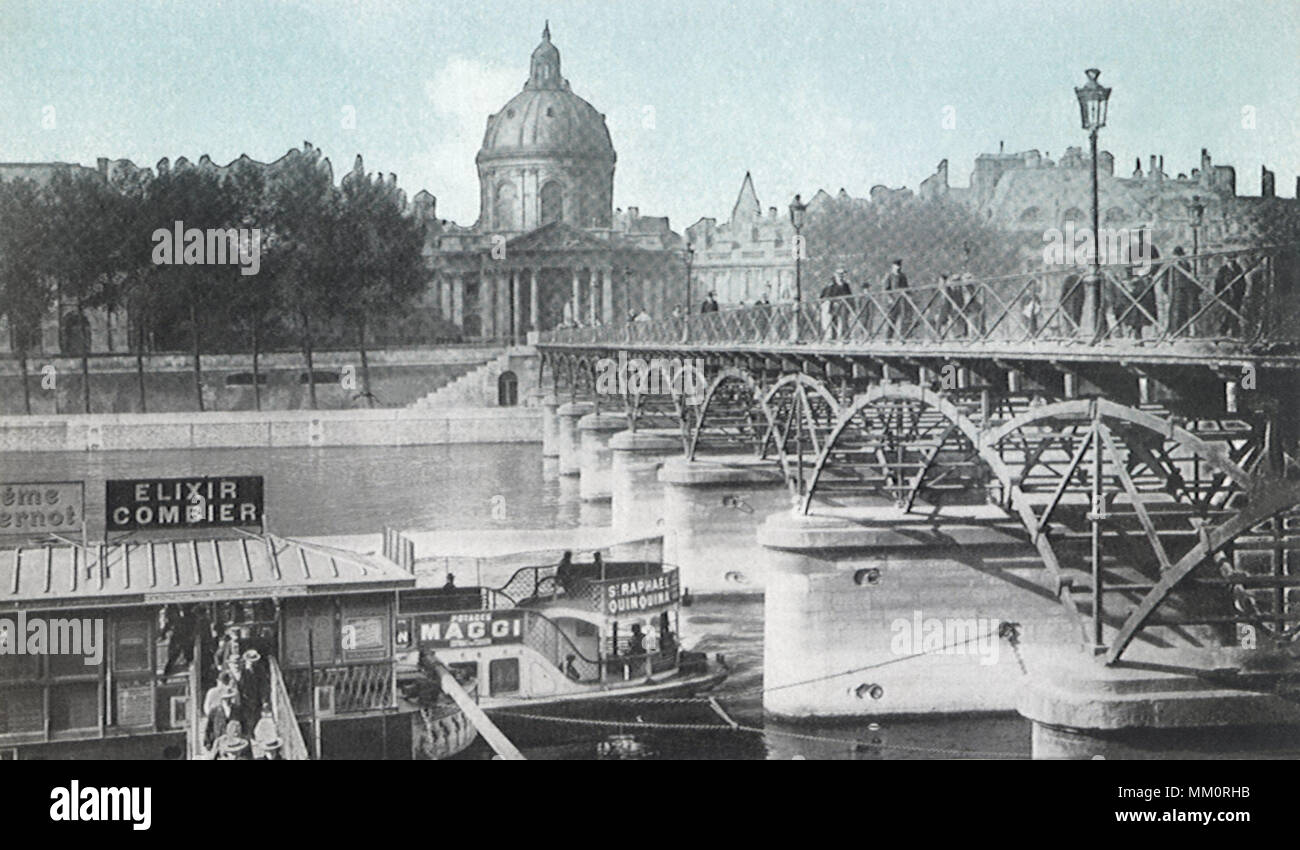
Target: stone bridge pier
{"points": [[873, 612], [637, 496], [711, 509], [594, 433], [569, 437]]}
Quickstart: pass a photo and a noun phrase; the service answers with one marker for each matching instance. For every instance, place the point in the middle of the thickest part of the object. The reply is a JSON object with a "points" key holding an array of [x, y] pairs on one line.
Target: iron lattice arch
{"points": [[1177, 534], [784, 422]]}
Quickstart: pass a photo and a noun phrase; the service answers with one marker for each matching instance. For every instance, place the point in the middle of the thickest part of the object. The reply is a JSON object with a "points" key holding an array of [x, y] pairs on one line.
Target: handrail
{"points": [[292, 745], [1176, 299]]}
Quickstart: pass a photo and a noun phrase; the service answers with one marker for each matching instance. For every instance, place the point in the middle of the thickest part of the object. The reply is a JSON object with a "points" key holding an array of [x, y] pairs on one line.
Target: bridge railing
{"points": [[1244, 296]]}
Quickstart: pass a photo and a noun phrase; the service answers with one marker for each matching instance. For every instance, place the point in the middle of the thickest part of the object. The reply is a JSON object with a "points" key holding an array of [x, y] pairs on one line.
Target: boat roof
{"points": [[190, 570], [493, 543]]}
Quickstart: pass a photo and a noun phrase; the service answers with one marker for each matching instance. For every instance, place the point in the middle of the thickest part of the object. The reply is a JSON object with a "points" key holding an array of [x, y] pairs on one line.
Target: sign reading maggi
{"points": [[42, 507], [171, 503]]}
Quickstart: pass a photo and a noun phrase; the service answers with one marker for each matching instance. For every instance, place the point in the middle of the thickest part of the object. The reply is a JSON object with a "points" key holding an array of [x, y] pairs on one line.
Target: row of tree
{"points": [[333, 260]]}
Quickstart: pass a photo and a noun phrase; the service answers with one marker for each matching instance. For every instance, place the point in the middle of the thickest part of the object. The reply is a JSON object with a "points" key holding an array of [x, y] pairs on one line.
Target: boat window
{"points": [[503, 676]]}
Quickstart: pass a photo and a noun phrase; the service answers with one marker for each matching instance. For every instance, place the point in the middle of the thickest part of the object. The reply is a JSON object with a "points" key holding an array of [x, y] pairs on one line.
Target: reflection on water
{"points": [[360, 490]]}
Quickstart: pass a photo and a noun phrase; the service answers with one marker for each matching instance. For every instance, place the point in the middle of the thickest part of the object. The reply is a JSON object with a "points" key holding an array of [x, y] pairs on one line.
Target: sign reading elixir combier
{"points": [[170, 503]]}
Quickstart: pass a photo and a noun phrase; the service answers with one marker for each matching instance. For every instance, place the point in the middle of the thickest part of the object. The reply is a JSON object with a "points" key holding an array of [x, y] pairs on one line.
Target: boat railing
{"points": [[580, 585], [365, 686], [544, 636]]}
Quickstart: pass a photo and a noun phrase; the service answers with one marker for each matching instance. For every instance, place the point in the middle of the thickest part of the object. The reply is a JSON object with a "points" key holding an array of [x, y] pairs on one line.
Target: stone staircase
{"points": [[478, 387]]}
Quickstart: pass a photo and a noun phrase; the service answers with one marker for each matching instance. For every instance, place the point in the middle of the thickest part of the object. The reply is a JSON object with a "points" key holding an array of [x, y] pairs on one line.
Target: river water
{"points": [[359, 490]]}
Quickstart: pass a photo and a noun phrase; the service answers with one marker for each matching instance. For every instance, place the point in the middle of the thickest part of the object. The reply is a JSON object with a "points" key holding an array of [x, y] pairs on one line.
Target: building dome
{"points": [[546, 117], [546, 156]]}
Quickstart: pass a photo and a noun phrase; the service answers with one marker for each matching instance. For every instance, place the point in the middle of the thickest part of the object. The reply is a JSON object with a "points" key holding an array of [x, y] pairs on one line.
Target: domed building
{"points": [[546, 156], [549, 249]]}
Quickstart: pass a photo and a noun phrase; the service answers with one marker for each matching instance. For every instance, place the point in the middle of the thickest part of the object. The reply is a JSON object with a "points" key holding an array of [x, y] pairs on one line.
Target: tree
{"points": [[85, 248], [191, 198], [380, 252], [932, 236], [301, 222], [250, 297], [25, 291]]}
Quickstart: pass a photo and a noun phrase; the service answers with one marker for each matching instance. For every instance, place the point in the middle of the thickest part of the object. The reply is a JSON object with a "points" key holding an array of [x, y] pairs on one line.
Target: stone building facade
{"points": [[548, 248], [1029, 192], [749, 256]]}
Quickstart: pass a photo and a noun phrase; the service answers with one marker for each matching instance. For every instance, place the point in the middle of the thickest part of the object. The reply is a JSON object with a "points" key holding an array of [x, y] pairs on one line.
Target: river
{"points": [[359, 490]]}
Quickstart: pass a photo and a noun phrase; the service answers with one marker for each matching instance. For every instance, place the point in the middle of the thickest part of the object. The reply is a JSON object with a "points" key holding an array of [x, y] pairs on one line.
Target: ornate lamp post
{"points": [[797, 210], [690, 258], [1093, 98], [1196, 212]]}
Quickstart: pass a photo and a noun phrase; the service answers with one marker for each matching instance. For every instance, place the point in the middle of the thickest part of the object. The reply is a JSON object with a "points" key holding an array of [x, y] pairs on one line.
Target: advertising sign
{"points": [[471, 628], [151, 504], [42, 507], [622, 596]]}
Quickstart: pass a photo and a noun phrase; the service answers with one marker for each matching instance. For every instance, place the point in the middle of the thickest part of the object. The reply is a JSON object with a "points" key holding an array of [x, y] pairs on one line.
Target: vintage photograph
{"points": [[576, 380]]}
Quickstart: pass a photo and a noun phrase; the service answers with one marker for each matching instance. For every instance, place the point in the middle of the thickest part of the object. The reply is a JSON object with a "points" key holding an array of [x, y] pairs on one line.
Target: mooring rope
{"points": [[758, 730]]}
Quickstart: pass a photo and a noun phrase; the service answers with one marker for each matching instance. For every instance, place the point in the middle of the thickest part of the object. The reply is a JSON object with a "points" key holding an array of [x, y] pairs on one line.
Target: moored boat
{"points": [[558, 631]]}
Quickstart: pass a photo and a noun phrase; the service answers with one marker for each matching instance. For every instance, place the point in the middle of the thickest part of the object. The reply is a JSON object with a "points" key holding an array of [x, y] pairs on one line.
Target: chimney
{"points": [[771, 212], [1267, 183], [1297, 187], [1137, 167], [1162, 163], [1153, 165], [102, 164], [634, 213], [1001, 146]]}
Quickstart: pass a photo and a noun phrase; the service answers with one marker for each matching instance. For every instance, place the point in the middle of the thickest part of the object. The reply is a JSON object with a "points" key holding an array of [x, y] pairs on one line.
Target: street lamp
{"points": [[1196, 212], [690, 257], [797, 210], [1093, 98]]}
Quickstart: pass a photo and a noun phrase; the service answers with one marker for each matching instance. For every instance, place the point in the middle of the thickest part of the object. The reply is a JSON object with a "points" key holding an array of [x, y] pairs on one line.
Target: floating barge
{"points": [[321, 616]]}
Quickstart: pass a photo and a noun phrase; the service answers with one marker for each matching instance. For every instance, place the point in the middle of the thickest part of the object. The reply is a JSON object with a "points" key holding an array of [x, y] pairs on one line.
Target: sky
{"points": [[805, 94]]}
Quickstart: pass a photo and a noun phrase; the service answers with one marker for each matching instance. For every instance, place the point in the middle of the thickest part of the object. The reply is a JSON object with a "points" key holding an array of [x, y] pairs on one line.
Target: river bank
{"points": [[270, 429]]}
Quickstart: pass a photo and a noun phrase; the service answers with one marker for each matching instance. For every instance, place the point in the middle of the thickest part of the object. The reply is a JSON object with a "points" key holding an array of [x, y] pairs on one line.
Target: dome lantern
{"points": [[545, 72]]}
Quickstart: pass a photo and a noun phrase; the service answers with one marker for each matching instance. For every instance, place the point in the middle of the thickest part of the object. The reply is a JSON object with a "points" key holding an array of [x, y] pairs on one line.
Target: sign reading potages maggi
{"points": [[641, 594], [170, 503], [477, 628]]}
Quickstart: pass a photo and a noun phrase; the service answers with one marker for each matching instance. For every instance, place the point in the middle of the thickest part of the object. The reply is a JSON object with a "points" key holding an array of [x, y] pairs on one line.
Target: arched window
{"points": [[1075, 215], [1031, 215], [507, 207], [74, 334], [507, 389], [1115, 215], [25, 337], [552, 202]]}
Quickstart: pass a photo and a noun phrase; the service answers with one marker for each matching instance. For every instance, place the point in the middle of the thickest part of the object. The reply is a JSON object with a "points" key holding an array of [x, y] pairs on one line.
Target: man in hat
{"points": [[220, 717], [252, 690], [267, 750], [899, 314], [233, 746]]}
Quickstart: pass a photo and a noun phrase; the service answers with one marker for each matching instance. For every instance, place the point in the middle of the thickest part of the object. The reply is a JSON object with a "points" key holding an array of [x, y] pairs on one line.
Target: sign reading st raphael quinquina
{"points": [[149, 504]]}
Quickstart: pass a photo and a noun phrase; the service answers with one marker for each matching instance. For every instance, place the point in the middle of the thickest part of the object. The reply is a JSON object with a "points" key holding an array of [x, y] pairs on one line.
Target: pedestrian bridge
{"points": [[1184, 309], [1138, 429]]}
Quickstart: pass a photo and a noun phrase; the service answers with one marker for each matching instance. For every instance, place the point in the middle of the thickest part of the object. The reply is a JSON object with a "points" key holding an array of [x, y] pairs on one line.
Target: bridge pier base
{"points": [[711, 508], [570, 444], [550, 427], [914, 604], [594, 433], [634, 478], [1177, 703]]}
